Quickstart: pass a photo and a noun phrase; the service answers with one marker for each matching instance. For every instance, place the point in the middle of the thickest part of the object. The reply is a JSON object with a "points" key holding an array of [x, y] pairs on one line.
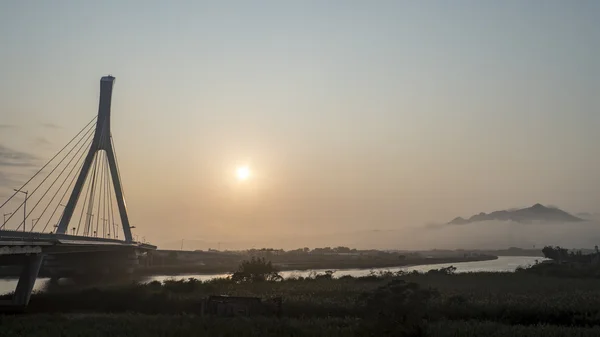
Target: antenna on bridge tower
{"points": [[101, 141]]}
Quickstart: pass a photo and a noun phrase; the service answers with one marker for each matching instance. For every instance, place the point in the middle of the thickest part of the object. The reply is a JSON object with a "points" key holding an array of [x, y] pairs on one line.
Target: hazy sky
{"points": [[351, 114]]}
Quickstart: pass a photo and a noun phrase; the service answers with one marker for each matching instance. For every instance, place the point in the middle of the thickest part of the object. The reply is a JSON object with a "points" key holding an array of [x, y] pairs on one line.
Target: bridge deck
{"points": [[61, 243]]}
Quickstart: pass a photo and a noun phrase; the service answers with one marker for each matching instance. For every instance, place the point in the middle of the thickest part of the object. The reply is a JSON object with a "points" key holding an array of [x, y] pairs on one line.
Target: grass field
{"points": [[432, 304], [141, 325]]}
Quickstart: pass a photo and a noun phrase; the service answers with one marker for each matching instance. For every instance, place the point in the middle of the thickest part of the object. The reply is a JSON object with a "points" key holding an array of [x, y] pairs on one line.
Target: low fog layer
{"points": [[497, 234], [479, 235]]}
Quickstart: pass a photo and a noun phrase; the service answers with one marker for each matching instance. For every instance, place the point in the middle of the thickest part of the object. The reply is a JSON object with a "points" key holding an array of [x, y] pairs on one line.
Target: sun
{"points": [[243, 173]]}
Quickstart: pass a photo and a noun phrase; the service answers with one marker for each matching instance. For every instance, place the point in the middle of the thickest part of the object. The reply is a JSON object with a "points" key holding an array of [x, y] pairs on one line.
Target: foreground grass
{"points": [[493, 329], [133, 325], [511, 298], [432, 304]]}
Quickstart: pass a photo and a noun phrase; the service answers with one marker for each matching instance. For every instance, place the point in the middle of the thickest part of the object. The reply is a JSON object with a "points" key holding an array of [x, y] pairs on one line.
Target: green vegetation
{"points": [[560, 254], [568, 264], [139, 325], [501, 297], [436, 303], [256, 270]]}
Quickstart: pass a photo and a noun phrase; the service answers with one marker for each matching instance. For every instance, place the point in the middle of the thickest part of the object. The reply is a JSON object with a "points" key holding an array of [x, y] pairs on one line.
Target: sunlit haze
{"points": [[306, 123], [243, 173]]}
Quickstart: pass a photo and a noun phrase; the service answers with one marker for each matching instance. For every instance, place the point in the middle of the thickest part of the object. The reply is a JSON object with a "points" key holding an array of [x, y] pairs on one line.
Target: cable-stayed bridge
{"points": [[71, 216]]}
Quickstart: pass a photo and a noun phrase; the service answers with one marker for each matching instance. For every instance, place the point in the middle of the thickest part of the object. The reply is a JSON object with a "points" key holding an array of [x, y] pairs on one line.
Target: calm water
{"points": [[502, 264]]}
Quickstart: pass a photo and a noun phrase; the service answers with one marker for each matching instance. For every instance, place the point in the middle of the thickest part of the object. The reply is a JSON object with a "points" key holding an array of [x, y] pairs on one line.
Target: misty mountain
{"points": [[536, 212]]}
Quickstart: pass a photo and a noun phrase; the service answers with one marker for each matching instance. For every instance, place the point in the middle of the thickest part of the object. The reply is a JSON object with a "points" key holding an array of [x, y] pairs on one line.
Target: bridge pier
{"points": [[32, 264], [29, 274]]}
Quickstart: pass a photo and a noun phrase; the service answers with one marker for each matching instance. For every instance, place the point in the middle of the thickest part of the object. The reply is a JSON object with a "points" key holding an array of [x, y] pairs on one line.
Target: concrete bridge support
{"points": [[29, 274], [102, 141], [31, 267]]}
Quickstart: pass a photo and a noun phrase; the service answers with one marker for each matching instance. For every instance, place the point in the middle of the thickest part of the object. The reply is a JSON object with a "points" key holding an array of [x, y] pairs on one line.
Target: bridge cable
{"points": [[109, 209], [59, 175], [118, 173], [90, 213], [65, 192], [85, 200], [78, 165], [117, 165], [82, 147], [104, 218], [43, 167], [41, 183], [106, 222], [48, 176], [100, 184], [103, 197], [112, 214], [68, 188]]}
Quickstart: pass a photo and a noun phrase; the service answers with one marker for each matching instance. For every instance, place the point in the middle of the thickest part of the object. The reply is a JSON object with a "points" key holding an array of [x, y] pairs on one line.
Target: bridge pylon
{"points": [[102, 141]]}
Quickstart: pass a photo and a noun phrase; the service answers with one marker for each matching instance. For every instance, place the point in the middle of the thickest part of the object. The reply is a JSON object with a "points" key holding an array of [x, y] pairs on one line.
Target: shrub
{"points": [[256, 270], [328, 275]]}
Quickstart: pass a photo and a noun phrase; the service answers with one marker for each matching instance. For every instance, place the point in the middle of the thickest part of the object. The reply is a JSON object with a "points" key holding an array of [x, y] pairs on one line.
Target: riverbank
{"points": [[502, 264], [12, 272], [436, 303], [338, 264]]}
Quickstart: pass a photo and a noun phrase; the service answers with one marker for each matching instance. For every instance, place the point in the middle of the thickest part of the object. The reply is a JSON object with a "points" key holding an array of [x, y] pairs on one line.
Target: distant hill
{"points": [[536, 212]]}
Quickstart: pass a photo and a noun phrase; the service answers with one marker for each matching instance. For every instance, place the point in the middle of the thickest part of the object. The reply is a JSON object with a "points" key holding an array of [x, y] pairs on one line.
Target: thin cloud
{"points": [[6, 181], [51, 126], [10, 157], [7, 126], [41, 141]]}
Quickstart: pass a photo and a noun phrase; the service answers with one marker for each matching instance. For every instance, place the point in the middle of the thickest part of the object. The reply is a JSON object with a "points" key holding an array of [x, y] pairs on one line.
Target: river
{"points": [[502, 264]]}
